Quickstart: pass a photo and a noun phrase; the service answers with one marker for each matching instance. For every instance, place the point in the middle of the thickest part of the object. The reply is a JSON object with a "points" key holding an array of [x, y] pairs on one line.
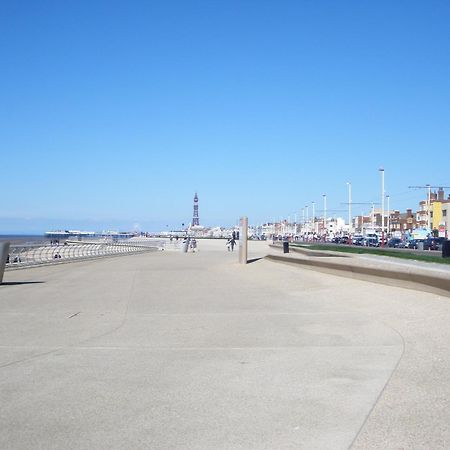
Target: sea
{"points": [[21, 239]]}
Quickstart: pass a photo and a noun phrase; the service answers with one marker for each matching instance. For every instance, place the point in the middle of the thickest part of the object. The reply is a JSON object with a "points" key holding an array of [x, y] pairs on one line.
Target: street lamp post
{"points": [[349, 207], [429, 207], [307, 220], [303, 221], [388, 216], [362, 223], [324, 214], [314, 216], [382, 206]]}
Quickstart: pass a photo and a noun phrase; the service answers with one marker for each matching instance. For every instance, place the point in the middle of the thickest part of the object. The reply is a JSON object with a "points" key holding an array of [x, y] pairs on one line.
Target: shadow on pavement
{"points": [[254, 260], [16, 283]]}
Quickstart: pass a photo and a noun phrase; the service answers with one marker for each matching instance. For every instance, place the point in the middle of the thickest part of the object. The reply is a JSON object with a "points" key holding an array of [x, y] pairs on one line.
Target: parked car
{"points": [[433, 243], [358, 240], [396, 243], [412, 243], [371, 242]]}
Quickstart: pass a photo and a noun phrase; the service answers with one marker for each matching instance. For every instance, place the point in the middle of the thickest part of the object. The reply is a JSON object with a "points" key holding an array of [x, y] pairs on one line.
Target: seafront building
{"points": [[439, 212]]}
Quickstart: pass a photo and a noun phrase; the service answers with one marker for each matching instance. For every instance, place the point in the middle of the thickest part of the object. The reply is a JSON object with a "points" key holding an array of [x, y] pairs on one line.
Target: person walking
{"points": [[231, 243]]}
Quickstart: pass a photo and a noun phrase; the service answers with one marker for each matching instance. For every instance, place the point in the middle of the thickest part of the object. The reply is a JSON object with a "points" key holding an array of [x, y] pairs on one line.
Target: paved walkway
{"points": [[193, 351]]}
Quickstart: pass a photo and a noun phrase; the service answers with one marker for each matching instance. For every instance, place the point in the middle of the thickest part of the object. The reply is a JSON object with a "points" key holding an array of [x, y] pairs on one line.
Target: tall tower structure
{"points": [[195, 219]]}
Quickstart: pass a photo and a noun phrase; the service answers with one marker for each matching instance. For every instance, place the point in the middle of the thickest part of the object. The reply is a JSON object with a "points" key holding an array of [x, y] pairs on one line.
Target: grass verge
{"points": [[377, 251]]}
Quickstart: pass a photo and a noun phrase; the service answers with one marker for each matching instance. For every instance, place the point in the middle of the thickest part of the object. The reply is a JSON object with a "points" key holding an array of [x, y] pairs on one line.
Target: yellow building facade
{"points": [[436, 215], [440, 217]]}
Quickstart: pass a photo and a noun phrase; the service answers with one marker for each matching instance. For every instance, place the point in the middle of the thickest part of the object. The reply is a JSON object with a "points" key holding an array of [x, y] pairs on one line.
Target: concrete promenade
{"points": [[194, 351]]}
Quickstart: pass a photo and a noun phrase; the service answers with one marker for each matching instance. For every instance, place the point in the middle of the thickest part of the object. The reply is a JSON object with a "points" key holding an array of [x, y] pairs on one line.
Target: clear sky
{"points": [[114, 113]]}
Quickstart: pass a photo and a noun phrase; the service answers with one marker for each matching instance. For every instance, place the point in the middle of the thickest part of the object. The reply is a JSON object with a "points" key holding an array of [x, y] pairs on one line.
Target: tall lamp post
{"points": [[382, 206], [429, 207], [307, 220], [303, 221], [324, 214], [388, 215], [373, 217], [349, 207], [314, 216]]}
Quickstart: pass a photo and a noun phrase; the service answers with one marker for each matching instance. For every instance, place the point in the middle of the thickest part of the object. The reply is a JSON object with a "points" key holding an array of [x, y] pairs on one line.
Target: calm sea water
{"points": [[18, 239]]}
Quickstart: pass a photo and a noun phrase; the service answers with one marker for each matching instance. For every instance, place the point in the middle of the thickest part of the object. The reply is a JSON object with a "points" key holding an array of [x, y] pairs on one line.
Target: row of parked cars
{"points": [[367, 241], [431, 243]]}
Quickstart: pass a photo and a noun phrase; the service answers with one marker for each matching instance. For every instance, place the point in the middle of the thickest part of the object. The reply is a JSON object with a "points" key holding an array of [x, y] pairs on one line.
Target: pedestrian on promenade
{"points": [[231, 243], [194, 245]]}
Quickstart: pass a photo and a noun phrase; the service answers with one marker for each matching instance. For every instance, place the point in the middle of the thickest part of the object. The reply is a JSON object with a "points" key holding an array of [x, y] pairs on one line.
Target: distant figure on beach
{"points": [[231, 243], [194, 245]]}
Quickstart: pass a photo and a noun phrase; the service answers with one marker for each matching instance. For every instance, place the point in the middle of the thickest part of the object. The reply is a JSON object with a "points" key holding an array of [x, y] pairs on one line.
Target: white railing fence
{"points": [[34, 254]]}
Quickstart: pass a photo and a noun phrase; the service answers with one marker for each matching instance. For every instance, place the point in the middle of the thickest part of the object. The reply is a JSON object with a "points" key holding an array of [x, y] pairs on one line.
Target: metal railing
{"points": [[35, 254]]}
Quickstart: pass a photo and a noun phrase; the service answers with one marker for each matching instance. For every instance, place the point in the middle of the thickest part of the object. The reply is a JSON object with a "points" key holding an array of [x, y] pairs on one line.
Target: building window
{"points": [[444, 212]]}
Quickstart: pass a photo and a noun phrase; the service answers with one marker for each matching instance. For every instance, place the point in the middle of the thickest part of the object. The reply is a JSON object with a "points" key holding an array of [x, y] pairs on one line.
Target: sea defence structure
{"points": [[381, 269], [4, 252], [194, 350], [20, 256]]}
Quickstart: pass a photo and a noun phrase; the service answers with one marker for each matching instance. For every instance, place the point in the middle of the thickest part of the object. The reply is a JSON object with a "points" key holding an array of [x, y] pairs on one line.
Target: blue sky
{"points": [[114, 113]]}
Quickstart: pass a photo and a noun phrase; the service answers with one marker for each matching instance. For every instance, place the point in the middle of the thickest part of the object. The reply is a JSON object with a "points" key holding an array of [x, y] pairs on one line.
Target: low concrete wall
{"points": [[4, 250], [407, 276]]}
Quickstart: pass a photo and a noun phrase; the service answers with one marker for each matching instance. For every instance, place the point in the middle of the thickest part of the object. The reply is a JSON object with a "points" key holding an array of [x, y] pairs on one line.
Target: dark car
{"points": [[433, 243], [412, 243], [396, 243]]}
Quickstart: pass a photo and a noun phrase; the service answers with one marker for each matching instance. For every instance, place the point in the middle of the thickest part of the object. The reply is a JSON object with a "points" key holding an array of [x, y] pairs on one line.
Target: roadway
{"points": [[194, 351]]}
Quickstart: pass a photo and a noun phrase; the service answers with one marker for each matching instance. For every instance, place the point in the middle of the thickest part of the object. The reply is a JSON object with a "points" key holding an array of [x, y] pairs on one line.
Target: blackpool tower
{"points": [[195, 219]]}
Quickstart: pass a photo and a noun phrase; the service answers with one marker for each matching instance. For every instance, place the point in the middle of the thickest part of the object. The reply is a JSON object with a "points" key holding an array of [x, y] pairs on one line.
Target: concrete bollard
{"points": [[4, 250], [243, 240]]}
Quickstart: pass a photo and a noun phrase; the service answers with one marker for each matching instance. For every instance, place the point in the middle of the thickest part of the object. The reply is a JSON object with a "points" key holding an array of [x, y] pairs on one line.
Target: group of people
{"points": [[189, 243]]}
